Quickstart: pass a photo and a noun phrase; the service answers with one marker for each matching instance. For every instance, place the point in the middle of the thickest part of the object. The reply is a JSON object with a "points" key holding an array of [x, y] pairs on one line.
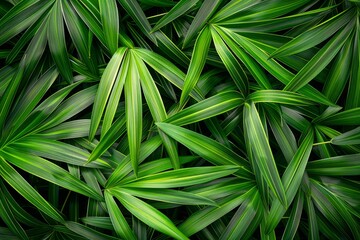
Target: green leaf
{"points": [[168, 70], [206, 216], [15, 180], [8, 217], [137, 14], [321, 59], [125, 167], [274, 68], [118, 220], [110, 21], [197, 63], [106, 83], [207, 9], [68, 130], [344, 165], [87, 232], [100, 222], [243, 218], [182, 177], [114, 133], [315, 35], [20, 17], [254, 68], [35, 49], [148, 214], [79, 35], [178, 10], [114, 99], [259, 145], [232, 8], [339, 73], [9, 95], [157, 108], [353, 99], [58, 151], [291, 179], [32, 97], [66, 110], [90, 15], [276, 24], [348, 138], [231, 63], [313, 223], [282, 97], [348, 118], [168, 195], [294, 218], [207, 148], [49, 171], [19, 212], [57, 42], [44, 110], [133, 111], [207, 108]]}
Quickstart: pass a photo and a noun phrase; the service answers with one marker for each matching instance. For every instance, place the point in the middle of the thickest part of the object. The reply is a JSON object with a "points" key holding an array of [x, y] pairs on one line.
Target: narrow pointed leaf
{"points": [[339, 73], [207, 108], [178, 10], [9, 219], [206, 216], [344, 165], [148, 214], [182, 177], [243, 218], [353, 99], [157, 108], [274, 68], [197, 63], [320, 60], [295, 217], [110, 20], [114, 133], [291, 179], [118, 220], [135, 11], [79, 35], [348, 138], [133, 111], [205, 12], [231, 63], [57, 42], [207, 148], [86, 232], [105, 87], [112, 106], [20, 17], [49, 171], [315, 35], [169, 196], [168, 70], [125, 167], [282, 97], [263, 156], [14, 179], [345, 118]]}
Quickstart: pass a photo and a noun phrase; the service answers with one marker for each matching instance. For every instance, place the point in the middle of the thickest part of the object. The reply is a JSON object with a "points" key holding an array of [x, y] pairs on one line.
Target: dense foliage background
{"points": [[156, 119]]}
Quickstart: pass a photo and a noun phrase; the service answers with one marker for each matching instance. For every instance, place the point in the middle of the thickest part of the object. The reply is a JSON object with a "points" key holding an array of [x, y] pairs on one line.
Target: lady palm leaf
{"points": [[185, 119]]}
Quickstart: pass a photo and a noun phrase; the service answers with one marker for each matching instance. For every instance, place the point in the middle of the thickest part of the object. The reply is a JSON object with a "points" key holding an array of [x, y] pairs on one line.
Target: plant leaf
{"points": [[259, 145], [14, 179], [105, 86], [148, 214]]}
